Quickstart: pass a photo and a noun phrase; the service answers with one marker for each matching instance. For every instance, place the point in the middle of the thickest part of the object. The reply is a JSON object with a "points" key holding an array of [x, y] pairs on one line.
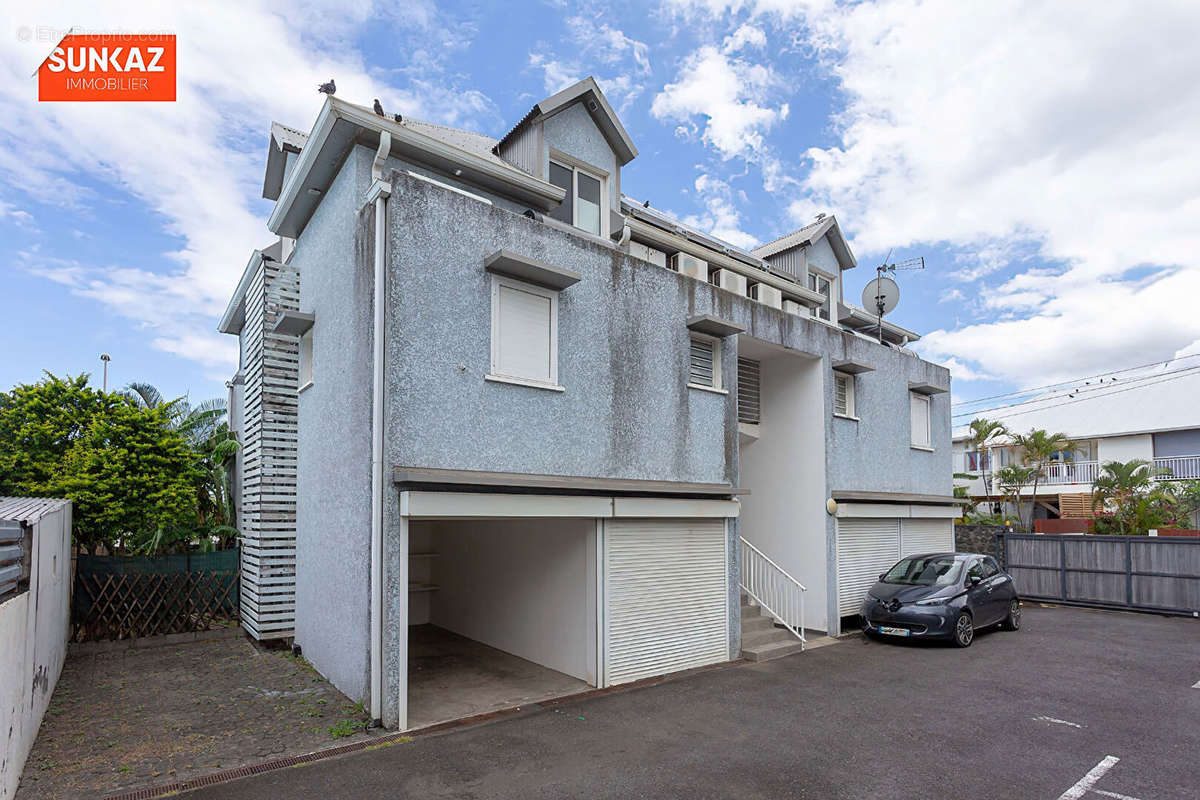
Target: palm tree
{"points": [[1039, 447], [1011, 478], [196, 423], [1122, 485], [984, 433]]}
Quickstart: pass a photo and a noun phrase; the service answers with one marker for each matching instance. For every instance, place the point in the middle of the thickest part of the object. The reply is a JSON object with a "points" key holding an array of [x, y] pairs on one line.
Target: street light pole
{"points": [[105, 357]]}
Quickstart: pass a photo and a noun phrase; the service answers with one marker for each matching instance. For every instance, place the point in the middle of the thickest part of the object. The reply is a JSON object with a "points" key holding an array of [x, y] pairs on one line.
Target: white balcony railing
{"points": [[1178, 468], [1059, 472]]}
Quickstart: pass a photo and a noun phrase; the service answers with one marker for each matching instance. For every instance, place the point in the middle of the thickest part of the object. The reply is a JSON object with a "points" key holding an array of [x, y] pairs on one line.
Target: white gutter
{"points": [[379, 193]]}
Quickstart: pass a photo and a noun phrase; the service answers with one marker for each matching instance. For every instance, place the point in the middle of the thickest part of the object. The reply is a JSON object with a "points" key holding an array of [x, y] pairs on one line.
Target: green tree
{"points": [[984, 434], [39, 423], [1039, 447], [1012, 478], [1126, 490], [131, 477]]}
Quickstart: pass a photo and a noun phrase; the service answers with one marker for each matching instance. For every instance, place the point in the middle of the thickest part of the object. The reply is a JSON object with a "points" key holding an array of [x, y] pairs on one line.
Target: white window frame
{"points": [[928, 443], [305, 358], [814, 277], [576, 166], [495, 374], [718, 380], [850, 412]]}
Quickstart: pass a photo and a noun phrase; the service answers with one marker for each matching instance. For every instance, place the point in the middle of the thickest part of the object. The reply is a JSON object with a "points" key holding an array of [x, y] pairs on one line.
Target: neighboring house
{"points": [[35, 611], [483, 388], [1151, 417]]}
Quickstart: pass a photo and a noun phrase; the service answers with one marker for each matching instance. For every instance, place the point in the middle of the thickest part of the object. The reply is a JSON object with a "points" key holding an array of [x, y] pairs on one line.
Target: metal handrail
{"points": [[769, 585]]}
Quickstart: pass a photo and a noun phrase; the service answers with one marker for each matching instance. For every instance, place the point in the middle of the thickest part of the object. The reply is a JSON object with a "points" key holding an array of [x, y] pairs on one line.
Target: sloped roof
{"points": [[1144, 403], [597, 105], [29, 509], [826, 226]]}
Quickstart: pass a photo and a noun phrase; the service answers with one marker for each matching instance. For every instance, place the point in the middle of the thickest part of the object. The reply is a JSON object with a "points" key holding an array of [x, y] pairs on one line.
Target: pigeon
{"points": [[398, 118], [328, 88], [378, 107], [646, 204]]}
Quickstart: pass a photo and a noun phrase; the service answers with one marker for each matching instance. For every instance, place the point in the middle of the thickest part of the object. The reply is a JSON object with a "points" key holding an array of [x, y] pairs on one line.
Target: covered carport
{"points": [[525, 587]]}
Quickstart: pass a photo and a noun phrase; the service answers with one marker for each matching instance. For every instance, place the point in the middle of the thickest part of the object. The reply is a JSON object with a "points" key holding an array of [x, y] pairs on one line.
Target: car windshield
{"points": [[925, 571]]}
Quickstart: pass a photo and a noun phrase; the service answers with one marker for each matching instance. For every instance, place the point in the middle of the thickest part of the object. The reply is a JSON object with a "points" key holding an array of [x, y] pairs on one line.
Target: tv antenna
{"points": [[883, 293]]}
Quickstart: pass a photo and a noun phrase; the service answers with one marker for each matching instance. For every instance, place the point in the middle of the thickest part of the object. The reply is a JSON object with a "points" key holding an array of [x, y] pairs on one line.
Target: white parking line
{"points": [[1113, 795], [1057, 721], [1088, 781]]}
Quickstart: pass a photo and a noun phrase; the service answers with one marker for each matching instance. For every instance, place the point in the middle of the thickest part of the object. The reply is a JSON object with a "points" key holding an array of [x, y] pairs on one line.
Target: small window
{"points": [[843, 395], [978, 461], [820, 284], [704, 363], [524, 332], [306, 358], [919, 417], [583, 206]]}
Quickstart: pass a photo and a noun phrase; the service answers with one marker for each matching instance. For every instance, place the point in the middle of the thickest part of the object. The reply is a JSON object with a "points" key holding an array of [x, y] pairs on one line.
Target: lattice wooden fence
{"points": [[125, 605]]}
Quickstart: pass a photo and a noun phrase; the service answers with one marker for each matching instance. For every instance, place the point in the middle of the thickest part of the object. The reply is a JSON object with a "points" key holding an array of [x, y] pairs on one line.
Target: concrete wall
{"points": [[33, 644], [1125, 448], [333, 503], [784, 516], [520, 586]]}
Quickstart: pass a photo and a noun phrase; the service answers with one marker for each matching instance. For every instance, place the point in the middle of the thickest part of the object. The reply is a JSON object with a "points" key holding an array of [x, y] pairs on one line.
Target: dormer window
{"points": [[819, 283], [584, 203]]}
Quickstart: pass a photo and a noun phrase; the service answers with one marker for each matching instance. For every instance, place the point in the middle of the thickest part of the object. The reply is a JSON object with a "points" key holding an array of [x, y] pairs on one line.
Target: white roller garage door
{"points": [[865, 548], [665, 595], [919, 536]]}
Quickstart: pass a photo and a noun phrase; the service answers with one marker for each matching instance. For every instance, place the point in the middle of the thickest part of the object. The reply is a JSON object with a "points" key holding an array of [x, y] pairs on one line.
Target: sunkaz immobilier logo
{"points": [[99, 67]]}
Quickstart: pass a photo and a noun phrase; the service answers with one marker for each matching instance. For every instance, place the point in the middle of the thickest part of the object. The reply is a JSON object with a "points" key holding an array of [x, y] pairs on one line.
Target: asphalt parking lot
{"points": [[1077, 704]]}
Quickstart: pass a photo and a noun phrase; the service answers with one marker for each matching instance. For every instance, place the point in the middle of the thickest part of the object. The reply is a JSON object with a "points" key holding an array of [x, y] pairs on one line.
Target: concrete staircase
{"points": [[762, 640]]}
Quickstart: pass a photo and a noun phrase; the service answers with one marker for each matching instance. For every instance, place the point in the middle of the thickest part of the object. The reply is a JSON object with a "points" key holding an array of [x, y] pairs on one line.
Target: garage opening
{"points": [[502, 613]]}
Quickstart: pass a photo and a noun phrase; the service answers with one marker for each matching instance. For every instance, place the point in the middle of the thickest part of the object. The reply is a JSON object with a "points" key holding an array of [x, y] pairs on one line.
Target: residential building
{"points": [[540, 415], [1152, 416]]}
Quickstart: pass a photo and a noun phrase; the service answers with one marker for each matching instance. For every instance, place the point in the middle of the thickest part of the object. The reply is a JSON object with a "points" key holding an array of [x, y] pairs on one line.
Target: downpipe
{"points": [[379, 193]]}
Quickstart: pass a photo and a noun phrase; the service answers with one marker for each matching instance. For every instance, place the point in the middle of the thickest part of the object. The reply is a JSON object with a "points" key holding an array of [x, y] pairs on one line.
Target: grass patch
{"points": [[346, 727], [381, 745]]}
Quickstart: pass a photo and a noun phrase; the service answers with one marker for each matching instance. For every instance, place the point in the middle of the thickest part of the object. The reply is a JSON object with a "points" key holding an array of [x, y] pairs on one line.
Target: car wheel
{"points": [[964, 630], [1013, 621]]}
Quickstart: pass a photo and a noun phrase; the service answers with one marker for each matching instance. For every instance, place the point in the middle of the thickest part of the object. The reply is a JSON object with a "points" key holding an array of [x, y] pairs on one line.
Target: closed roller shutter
{"points": [[665, 595], [865, 549], [918, 536]]}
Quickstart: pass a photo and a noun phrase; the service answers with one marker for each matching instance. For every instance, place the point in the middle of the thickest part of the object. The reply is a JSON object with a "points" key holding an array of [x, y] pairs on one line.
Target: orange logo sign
{"points": [[120, 67]]}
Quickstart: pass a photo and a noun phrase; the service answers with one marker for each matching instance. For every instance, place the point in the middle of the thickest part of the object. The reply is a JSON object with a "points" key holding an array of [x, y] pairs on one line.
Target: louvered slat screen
{"points": [[700, 366], [841, 402], [749, 407]]}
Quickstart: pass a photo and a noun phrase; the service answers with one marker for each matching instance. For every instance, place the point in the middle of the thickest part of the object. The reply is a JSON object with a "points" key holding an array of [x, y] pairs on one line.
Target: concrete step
{"points": [[765, 636], [756, 624], [767, 652], [751, 611]]}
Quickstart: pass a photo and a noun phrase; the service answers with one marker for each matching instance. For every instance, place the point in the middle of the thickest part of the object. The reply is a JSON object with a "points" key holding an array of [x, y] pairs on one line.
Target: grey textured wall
{"points": [[334, 441]]}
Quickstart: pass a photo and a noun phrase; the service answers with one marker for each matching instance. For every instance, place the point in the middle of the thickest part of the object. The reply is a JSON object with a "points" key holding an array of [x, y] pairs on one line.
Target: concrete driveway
{"points": [[1078, 704]]}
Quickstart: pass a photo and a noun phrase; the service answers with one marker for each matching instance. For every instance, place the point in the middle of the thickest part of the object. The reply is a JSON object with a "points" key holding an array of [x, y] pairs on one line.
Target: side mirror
{"points": [[973, 580], [882, 575]]}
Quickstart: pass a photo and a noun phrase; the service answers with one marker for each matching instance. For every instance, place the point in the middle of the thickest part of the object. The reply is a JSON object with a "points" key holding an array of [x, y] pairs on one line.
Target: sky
{"points": [[1040, 156]]}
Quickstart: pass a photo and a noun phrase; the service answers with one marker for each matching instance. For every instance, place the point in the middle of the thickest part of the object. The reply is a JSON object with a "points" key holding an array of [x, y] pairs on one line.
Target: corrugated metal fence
{"points": [[1143, 573]]}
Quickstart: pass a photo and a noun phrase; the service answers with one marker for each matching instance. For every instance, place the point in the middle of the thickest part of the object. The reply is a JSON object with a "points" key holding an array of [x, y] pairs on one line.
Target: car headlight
{"points": [[933, 601]]}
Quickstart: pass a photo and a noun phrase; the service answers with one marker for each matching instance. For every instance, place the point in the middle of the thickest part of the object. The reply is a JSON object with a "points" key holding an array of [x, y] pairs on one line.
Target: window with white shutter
{"points": [[704, 363], [919, 419], [748, 391], [306, 358], [524, 332], [843, 395]]}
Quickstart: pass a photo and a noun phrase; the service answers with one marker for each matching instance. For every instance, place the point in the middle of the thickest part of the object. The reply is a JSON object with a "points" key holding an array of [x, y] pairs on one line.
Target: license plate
{"points": [[894, 631]]}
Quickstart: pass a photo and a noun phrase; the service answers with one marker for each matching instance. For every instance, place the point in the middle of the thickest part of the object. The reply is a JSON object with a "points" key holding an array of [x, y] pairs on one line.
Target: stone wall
{"points": [[980, 539]]}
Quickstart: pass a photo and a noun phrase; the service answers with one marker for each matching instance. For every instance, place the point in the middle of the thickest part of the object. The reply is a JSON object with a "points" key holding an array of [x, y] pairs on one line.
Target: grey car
{"points": [[941, 596]]}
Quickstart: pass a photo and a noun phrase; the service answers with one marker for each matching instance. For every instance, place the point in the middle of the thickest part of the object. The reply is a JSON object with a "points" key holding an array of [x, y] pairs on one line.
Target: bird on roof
{"points": [[398, 118], [328, 88], [646, 204], [378, 107]]}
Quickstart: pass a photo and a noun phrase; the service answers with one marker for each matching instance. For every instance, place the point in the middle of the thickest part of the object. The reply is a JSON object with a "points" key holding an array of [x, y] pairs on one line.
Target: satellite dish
{"points": [[880, 290]]}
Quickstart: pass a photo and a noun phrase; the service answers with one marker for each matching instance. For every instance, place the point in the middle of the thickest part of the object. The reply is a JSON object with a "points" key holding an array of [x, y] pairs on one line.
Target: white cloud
{"points": [[627, 61], [197, 163], [728, 96], [721, 218]]}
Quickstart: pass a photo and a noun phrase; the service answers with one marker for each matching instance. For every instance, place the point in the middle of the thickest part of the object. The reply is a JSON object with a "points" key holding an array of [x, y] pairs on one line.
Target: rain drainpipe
{"points": [[378, 193]]}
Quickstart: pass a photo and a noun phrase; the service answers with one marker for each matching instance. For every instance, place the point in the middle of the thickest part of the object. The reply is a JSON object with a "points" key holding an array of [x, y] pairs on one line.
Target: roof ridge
{"points": [[791, 233]]}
